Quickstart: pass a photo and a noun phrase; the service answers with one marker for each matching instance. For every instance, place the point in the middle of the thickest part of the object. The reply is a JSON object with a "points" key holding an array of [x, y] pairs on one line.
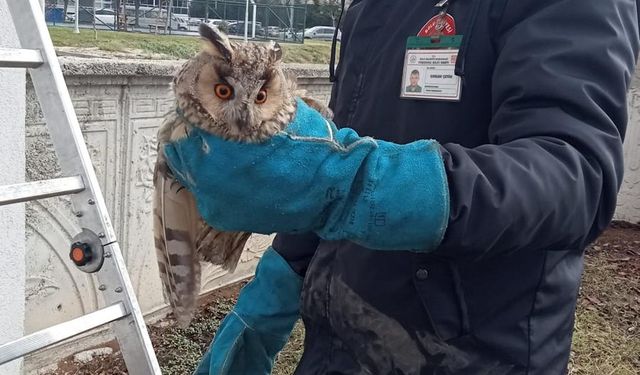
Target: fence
{"points": [[259, 21]]}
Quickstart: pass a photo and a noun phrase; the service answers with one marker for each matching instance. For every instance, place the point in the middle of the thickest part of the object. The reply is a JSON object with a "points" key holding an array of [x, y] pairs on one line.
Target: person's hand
{"points": [[313, 177], [258, 327]]}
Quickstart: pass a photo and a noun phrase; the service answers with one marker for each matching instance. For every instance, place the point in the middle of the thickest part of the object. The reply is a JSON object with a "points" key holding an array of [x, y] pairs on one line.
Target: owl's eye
{"points": [[223, 91], [261, 97]]}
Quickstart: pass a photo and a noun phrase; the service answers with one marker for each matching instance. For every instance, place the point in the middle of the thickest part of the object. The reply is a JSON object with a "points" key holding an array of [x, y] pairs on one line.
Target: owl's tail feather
{"points": [[176, 222]]}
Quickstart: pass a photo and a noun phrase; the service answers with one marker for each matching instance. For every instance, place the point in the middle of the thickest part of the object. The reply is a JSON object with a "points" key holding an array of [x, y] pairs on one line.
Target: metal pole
{"points": [[95, 31], [246, 21], [253, 26], [77, 21], [291, 17], [169, 15]]}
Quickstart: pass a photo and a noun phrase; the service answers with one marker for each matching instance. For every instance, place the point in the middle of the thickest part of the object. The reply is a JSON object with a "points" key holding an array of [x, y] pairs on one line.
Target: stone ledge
{"points": [[95, 66]]}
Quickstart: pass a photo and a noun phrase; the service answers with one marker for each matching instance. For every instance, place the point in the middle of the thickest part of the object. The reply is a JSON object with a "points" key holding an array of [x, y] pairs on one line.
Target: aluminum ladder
{"points": [[95, 249]]}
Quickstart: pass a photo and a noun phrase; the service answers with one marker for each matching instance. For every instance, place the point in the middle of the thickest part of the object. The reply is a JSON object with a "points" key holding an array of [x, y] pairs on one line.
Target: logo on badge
{"points": [[440, 24], [413, 59]]}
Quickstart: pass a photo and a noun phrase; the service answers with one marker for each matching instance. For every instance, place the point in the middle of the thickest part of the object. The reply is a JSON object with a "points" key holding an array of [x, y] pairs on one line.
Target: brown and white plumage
{"points": [[261, 104]]}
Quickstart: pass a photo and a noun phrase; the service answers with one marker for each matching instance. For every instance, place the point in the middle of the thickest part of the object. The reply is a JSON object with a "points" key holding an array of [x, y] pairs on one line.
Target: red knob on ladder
{"points": [[81, 253]]}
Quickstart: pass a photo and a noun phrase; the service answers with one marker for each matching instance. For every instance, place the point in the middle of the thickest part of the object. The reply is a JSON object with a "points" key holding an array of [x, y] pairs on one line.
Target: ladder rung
{"points": [[20, 58], [30, 191], [60, 332]]}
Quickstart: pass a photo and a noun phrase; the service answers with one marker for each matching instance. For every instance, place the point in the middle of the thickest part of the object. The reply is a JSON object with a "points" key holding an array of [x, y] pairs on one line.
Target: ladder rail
{"points": [[60, 332], [88, 203], [20, 58], [24, 192], [60, 115]]}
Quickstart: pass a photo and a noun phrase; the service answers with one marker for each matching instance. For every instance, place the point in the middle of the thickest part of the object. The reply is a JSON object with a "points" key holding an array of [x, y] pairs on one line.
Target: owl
{"points": [[237, 91]]}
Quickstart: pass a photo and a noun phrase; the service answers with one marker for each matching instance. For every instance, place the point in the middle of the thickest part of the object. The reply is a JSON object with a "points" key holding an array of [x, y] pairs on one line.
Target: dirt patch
{"points": [[606, 337], [607, 333]]}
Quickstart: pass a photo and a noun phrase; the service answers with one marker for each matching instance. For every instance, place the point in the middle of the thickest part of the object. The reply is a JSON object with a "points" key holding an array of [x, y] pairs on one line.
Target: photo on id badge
{"points": [[429, 74], [414, 81]]}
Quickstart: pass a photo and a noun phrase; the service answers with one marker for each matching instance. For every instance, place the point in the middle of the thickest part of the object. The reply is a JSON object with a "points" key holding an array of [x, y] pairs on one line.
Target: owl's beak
{"points": [[246, 118]]}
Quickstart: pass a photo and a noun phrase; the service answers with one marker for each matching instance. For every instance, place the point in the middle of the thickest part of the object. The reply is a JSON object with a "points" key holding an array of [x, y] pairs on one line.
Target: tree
{"points": [[323, 13]]}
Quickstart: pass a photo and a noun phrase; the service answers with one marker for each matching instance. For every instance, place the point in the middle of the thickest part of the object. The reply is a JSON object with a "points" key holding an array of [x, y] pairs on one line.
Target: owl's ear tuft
{"points": [[275, 51], [216, 43]]}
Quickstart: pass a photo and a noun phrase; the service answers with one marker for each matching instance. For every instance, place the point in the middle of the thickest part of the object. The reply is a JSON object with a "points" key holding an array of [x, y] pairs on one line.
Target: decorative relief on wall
{"points": [[144, 174], [137, 224], [56, 291]]}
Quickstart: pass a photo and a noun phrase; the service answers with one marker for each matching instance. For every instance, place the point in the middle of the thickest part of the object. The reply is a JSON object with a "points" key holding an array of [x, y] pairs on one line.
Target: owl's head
{"points": [[236, 89]]}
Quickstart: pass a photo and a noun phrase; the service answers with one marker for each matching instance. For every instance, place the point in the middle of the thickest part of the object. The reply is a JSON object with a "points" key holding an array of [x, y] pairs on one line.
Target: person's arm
{"points": [[551, 177]]}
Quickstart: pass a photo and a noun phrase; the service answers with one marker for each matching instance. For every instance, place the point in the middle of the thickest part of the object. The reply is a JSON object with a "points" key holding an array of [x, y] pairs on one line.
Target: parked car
{"points": [[105, 16], [237, 28], [194, 23], [154, 19], [320, 32], [219, 24], [215, 22], [274, 31], [71, 16]]}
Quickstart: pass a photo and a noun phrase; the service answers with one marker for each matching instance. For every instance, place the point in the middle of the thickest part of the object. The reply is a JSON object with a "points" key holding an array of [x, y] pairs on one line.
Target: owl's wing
{"points": [[183, 238], [176, 225]]}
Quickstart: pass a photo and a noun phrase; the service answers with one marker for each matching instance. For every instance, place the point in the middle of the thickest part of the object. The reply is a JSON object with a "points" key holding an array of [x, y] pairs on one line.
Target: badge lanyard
{"points": [[430, 60]]}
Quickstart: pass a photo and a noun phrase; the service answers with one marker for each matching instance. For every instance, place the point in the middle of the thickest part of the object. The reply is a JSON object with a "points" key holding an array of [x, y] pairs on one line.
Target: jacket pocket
{"points": [[439, 288]]}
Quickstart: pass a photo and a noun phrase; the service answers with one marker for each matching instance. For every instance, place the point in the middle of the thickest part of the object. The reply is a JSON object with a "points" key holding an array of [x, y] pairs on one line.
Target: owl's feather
{"points": [[182, 237], [175, 219]]}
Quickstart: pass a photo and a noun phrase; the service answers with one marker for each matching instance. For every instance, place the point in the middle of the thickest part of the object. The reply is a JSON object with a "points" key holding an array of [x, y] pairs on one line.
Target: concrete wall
{"points": [[12, 241]]}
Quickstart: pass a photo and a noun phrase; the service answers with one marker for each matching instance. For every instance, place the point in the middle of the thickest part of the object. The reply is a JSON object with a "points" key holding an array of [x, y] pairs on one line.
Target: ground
{"points": [[606, 338], [150, 46], [607, 330]]}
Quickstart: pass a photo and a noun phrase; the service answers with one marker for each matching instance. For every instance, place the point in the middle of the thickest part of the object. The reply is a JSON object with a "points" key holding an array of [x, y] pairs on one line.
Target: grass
{"points": [[180, 350], [606, 337], [290, 355], [172, 46]]}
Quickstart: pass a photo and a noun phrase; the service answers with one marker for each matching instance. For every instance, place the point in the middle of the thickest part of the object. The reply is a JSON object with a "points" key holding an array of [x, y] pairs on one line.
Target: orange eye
{"points": [[223, 91], [261, 97]]}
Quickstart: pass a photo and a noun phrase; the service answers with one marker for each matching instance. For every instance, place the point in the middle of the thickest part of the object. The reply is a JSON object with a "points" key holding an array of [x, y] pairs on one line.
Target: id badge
{"points": [[429, 68]]}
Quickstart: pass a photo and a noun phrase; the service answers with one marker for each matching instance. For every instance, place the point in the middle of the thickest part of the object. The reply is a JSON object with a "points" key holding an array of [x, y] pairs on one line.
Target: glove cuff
{"points": [[398, 201], [271, 301], [260, 324]]}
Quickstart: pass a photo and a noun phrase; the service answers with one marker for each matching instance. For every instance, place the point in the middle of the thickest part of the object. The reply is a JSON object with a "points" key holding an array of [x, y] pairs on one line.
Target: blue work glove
{"points": [[258, 327], [312, 177]]}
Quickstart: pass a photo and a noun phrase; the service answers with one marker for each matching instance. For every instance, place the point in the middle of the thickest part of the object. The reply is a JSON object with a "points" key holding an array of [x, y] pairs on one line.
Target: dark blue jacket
{"points": [[533, 153]]}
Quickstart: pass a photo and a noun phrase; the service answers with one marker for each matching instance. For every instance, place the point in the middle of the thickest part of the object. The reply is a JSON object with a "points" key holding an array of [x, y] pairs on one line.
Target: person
{"points": [[414, 78], [430, 236]]}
